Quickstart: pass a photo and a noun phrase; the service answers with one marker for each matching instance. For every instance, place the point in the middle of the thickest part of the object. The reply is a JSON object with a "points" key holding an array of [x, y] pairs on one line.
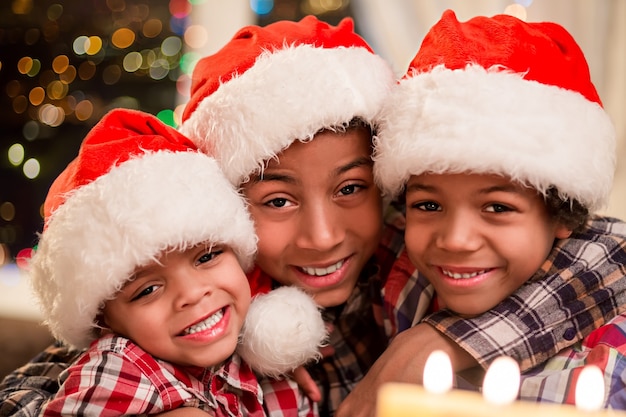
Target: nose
{"points": [[188, 290], [458, 233], [320, 228]]}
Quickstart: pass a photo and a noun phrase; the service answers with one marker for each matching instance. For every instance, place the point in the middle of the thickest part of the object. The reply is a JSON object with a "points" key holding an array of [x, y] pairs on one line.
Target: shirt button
{"points": [[569, 334]]}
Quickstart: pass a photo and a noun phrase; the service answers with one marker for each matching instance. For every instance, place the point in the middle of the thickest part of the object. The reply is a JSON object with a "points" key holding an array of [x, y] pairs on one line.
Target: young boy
{"points": [[499, 142], [142, 262], [289, 110]]}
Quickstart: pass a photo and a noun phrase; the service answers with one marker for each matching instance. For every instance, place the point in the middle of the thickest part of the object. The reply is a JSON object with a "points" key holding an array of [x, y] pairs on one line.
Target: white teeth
{"points": [[462, 276], [205, 324], [322, 271]]}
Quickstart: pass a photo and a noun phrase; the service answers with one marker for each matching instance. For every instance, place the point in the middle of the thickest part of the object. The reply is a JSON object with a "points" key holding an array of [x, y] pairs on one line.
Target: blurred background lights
{"points": [[79, 45], [123, 38], [171, 46], [132, 61], [21, 6], [261, 6], [179, 8], [36, 96], [152, 28], [93, 45], [54, 11], [30, 131], [196, 36], [31, 168], [167, 117], [323, 6], [83, 110], [60, 63], [524, 3], [16, 154], [7, 211]]}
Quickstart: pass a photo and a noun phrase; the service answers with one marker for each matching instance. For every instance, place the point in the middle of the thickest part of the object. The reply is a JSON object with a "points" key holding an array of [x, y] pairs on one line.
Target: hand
{"points": [[306, 383], [184, 412], [303, 378], [402, 361]]}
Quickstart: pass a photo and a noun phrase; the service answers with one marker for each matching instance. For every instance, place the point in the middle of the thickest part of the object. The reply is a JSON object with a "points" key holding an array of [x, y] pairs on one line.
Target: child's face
{"points": [[318, 214], [187, 308], [477, 238]]}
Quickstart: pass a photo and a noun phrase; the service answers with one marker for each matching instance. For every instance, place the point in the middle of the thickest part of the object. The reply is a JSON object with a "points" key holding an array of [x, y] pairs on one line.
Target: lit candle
{"points": [[411, 400], [589, 394]]}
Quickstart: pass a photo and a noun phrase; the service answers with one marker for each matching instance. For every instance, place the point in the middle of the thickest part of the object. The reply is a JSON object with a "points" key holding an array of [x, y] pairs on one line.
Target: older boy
{"points": [[498, 141]]}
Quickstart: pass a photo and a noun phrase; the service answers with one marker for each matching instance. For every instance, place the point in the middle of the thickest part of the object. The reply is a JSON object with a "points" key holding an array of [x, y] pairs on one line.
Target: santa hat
{"points": [[136, 188], [499, 95], [286, 81]]}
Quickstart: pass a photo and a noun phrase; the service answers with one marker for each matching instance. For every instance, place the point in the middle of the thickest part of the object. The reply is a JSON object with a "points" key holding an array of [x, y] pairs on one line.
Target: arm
{"points": [[25, 390], [401, 362]]}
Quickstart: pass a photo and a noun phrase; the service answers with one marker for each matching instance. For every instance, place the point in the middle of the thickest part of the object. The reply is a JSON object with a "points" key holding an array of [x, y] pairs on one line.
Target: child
{"points": [[498, 140], [143, 260], [289, 110]]}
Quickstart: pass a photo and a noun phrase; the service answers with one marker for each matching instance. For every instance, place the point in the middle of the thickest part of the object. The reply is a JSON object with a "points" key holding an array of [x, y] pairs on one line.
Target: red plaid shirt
{"points": [[116, 377]]}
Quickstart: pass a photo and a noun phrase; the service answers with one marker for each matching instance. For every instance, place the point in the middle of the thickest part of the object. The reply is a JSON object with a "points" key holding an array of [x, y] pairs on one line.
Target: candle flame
{"points": [[502, 381], [438, 373], [589, 395]]}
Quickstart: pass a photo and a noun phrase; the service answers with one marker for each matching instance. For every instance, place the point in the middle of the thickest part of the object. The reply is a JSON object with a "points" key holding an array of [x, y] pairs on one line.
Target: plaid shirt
{"points": [[555, 381], [116, 377], [580, 287]]}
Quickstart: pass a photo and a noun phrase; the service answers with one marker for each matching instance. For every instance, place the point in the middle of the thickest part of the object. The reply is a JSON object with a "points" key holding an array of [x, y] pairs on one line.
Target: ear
{"points": [[562, 232]]}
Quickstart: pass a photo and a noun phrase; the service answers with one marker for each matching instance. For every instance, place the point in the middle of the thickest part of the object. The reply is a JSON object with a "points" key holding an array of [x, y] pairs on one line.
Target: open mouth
{"points": [[464, 275], [205, 324], [320, 272]]}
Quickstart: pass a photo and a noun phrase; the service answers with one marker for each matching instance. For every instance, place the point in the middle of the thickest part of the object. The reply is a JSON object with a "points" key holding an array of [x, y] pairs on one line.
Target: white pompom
{"points": [[283, 330]]}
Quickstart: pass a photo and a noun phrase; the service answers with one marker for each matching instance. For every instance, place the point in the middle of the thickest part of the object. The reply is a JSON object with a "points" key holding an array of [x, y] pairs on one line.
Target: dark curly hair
{"points": [[570, 213]]}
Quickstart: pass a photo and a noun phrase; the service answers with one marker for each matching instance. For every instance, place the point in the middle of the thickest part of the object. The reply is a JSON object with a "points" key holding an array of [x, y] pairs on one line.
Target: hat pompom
{"points": [[283, 330]]}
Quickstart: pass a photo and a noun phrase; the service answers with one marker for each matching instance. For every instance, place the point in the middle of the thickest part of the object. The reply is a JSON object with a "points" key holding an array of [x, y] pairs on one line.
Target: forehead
{"points": [[325, 146]]}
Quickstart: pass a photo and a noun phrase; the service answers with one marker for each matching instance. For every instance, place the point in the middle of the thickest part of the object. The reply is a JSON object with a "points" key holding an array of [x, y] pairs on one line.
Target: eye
{"points": [[427, 206], [209, 256], [497, 208], [278, 203], [351, 189], [145, 292]]}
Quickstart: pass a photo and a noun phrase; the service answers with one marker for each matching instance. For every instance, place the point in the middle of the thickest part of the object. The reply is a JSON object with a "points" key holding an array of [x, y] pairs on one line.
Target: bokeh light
{"points": [[152, 28], [196, 36], [31, 168], [167, 117], [132, 61], [261, 6], [16, 154], [123, 38], [7, 211]]}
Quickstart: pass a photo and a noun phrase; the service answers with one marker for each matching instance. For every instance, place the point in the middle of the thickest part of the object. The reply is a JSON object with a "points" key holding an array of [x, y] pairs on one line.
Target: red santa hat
{"points": [[286, 81], [499, 95], [139, 187]]}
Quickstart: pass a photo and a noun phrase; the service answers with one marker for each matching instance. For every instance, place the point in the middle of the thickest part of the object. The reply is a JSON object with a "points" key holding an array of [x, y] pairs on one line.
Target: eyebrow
{"points": [[509, 188]]}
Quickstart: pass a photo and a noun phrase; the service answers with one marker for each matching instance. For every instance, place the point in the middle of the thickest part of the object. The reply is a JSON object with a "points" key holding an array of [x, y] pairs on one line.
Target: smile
{"points": [[455, 275], [322, 271], [205, 324]]}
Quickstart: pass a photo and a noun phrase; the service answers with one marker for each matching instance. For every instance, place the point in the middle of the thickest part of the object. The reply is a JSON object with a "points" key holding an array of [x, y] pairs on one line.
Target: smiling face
{"points": [[187, 308], [477, 238], [317, 214]]}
